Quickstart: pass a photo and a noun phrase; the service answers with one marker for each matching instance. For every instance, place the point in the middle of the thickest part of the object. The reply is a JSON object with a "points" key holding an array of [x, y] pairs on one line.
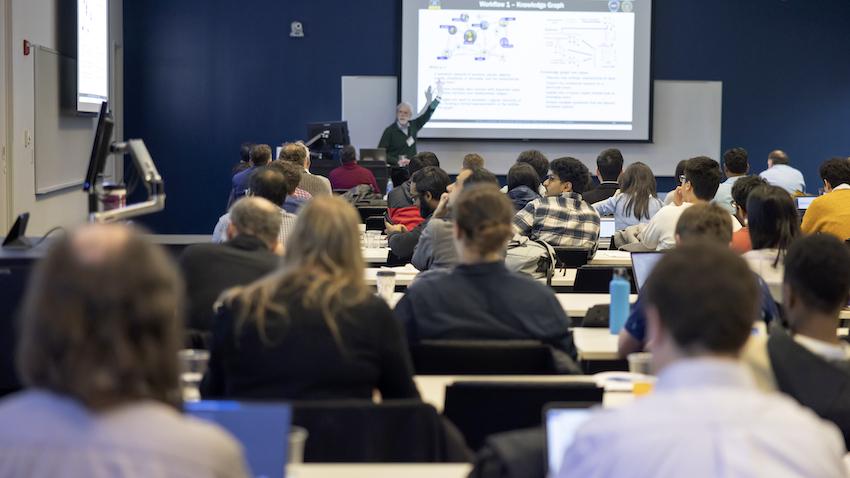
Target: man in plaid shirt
{"points": [[562, 218]]}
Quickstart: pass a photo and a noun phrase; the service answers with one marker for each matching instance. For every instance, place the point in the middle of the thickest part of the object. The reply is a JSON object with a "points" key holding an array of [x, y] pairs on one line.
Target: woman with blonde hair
{"points": [[313, 329], [636, 201]]}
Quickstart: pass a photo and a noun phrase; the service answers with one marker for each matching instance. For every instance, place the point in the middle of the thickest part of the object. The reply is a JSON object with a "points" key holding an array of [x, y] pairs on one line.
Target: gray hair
{"points": [[404, 103], [258, 217]]}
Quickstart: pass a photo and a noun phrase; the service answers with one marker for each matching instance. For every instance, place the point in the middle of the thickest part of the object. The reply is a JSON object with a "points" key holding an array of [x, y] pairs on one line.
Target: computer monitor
{"points": [[373, 154], [642, 265], [100, 147], [804, 201], [606, 227], [262, 428], [562, 421], [337, 135]]}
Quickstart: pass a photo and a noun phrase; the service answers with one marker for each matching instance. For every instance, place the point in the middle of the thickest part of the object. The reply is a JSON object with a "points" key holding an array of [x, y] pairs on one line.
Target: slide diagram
{"points": [[476, 37], [582, 44]]}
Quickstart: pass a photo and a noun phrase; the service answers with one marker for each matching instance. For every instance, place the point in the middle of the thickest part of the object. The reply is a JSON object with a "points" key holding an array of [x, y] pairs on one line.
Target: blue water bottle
{"points": [[619, 310]]}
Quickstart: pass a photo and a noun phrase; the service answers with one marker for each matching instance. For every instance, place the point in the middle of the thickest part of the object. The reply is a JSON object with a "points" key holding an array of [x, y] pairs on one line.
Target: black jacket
{"points": [[210, 269], [300, 359], [816, 383], [601, 192]]}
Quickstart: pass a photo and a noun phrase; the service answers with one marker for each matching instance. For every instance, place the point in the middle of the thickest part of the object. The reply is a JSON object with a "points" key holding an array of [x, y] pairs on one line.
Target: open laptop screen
{"points": [[606, 227], [804, 201], [642, 264], [261, 428], [562, 422]]}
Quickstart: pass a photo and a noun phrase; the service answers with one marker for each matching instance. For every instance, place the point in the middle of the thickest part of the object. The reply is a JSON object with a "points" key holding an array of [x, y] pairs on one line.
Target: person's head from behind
{"points": [[735, 162], [323, 268], [701, 179], [429, 184], [292, 173], [294, 153], [777, 157], [638, 182], [537, 160], [482, 228], [609, 164], [403, 112], [348, 155], [261, 154], [522, 174], [704, 223], [772, 218], [245, 152], [255, 217], [685, 318], [468, 177], [100, 321], [834, 172], [269, 183], [741, 192], [473, 160], [567, 175], [422, 160], [816, 285]]}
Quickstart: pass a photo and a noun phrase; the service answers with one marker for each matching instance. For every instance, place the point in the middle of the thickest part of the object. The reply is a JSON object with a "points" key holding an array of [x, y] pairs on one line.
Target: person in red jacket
{"points": [[350, 174]]}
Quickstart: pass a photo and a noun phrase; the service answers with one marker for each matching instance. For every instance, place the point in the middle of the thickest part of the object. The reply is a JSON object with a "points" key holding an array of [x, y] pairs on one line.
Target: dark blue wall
{"points": [[202, 76]]}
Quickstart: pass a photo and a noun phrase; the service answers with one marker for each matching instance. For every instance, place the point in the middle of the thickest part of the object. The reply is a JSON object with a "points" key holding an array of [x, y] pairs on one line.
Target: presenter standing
{"points": [[399, 138]]}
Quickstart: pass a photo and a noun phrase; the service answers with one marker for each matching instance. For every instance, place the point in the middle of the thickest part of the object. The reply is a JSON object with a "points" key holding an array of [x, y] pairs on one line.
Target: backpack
{"points": [[532, 257]]}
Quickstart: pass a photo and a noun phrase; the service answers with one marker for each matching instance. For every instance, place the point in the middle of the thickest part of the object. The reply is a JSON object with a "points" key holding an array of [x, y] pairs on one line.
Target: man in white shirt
{"points": [[779, 173], [735, 166], [698, 185], [705, 417]]}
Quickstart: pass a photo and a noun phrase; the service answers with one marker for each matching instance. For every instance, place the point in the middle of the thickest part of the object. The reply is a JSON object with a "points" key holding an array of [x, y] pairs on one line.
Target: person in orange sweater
{"points": [[830, 213]]}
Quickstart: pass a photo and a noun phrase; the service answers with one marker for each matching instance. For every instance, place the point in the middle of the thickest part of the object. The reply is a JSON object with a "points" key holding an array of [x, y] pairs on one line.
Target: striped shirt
{"points": [[564, 220], [287, 225]]}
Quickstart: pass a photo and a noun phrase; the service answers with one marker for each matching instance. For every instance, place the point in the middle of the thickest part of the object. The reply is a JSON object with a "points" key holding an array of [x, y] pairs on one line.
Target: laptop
{"points": [[261, 428], [642, 265], [562, 421], [373, 154], [804, 201], [606, 228]]}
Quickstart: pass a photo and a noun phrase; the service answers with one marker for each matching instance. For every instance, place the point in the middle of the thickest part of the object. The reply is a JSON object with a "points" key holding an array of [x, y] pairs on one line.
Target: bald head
{"points": [[95, 244], [257, 217], [777, 157]]}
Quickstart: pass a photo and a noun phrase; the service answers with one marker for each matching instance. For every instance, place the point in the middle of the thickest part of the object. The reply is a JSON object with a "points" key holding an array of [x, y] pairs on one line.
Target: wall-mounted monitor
{"points": [[92, 54]]}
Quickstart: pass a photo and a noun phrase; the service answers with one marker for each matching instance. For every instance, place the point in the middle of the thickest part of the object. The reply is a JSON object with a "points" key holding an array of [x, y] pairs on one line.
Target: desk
{"points": [[375, 255], [575, 305], [405, 275], [379, 470], [595, 343], [612, 258]]}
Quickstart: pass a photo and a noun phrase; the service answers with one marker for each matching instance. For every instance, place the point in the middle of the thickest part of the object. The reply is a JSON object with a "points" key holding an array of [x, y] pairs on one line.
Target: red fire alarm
{"points": [[26, 48]]}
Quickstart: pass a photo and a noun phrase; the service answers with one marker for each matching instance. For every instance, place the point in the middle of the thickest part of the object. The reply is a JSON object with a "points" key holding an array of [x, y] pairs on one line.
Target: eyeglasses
{"points": [[682, 179]]}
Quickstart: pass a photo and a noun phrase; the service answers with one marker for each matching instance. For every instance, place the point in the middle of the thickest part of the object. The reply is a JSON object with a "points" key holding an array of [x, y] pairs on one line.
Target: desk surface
{"points": [[379, 470], [575, 305], [406, 274], [594, 343]]}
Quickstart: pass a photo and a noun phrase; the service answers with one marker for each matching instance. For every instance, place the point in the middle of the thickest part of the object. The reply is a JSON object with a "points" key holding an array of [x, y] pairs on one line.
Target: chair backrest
{"points": [[13, 281], [380, 170], [360, 431], [323, 167], [571, 257], [480, 409], [482, 357], [596, 279], [371, 209]]}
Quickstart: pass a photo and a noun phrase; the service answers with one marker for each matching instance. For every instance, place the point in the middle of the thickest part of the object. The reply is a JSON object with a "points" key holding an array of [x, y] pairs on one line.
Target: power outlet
{"points": [[27, 138]]}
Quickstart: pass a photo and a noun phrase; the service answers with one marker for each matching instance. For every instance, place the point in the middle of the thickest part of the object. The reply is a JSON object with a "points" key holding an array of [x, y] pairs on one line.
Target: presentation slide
{"points": [[92, 54], [530, 70]]}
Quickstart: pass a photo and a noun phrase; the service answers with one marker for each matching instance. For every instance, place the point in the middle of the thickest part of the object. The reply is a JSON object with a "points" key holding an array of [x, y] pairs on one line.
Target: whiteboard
{"points": [[686, 123], [62, 140]]}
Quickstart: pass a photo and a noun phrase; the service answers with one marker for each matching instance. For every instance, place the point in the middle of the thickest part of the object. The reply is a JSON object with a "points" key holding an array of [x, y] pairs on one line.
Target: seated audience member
{"points": [[701, 223], [251, 251], [436, 246], [809, 362], [351, 174], [830, 213], [473, 161], [312, 330], [100, 332], [299, 154], [677, 175], [523, 183], [699, 184], [401, 203], [773, 225], [780, 173], [539, 162], [705, 416], [293, 174], [430, 184], [562, 218], [481, 298], [740, 192], [609, 166], [261, 155], [735, 167], [244, 159], [637, 200], [273, 186]]}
